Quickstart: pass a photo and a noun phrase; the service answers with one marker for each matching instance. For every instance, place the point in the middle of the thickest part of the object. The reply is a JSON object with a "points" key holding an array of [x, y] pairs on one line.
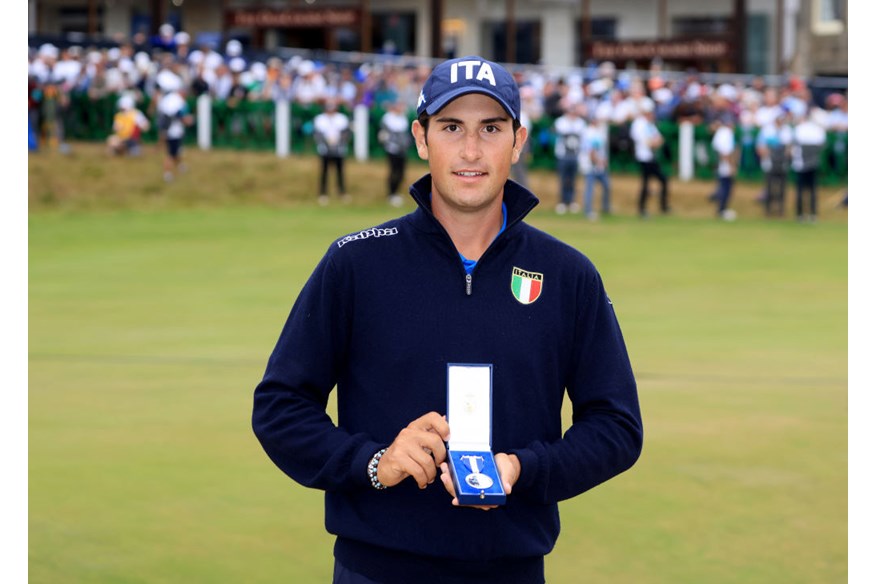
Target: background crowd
{"points": [[604, 100]]}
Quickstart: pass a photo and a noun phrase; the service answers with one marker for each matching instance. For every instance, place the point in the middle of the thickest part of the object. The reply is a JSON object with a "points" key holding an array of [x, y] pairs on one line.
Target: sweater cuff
{"points": [[359, 468], [528, 469]]}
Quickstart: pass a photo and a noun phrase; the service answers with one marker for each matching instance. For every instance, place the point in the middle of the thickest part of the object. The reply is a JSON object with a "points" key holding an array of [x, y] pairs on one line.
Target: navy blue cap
{"points": [[458, 77]]}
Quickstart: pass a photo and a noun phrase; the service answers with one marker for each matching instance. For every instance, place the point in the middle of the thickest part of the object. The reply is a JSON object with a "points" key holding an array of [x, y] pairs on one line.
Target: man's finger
{"points": [[432, 422]]}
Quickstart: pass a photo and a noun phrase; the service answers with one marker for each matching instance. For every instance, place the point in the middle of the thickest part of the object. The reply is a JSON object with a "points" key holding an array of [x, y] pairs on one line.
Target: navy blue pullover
{"points": [[380, 318]]}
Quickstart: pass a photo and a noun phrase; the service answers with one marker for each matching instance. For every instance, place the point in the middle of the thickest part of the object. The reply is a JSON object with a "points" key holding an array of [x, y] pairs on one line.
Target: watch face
{"points": [[479, 481]]}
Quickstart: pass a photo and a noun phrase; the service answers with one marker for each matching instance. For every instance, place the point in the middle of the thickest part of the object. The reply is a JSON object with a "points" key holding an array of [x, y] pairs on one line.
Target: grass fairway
{"points": [[151, 319]]}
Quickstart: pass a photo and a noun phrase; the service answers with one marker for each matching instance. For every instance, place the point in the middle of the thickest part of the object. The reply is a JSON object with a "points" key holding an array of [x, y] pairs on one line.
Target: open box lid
{"points": [[469, 405]]}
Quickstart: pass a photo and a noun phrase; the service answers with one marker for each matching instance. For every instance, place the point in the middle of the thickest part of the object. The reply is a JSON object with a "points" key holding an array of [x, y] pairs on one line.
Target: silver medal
{"points": [[476, 479]]}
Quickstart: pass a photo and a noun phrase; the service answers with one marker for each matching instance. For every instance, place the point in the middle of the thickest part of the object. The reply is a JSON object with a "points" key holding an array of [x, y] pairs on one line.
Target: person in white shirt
{"points": [[724, 145], [310, 85], [647, 139], [594, 166], [331, 130], [770, 109], [569, 131], [173, 119]]}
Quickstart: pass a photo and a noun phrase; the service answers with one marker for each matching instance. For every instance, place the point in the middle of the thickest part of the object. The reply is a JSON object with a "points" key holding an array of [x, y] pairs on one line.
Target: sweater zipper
{"points": [[468, 284]]}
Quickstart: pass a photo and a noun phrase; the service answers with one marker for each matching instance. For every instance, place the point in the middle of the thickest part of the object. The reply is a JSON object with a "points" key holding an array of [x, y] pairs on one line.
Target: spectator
{"points": [[331, 130], [774, 150], [310, 85], [395, 137], [223, 81], [183, 43], [769, 108], [748, 158], [837, 122], [129, 123], [173, 118], [280, 89], [569, 131], [343, 88], [34, 95], [647, 141], [808, 143], [233, 50], [635, 101], [54, 98], [594, 166], [554, 97], [604, 82], [724, 145], [200, 84], [165, 40]]}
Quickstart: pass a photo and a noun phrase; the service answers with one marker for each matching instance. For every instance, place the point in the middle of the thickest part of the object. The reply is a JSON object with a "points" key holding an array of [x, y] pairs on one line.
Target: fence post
{"points": [[281, 127], [685, 151], [360, 132], [205, 121]]}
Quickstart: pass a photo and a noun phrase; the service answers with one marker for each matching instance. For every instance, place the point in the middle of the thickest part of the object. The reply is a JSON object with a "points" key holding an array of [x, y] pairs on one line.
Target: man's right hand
{"points": [[416, 452]]}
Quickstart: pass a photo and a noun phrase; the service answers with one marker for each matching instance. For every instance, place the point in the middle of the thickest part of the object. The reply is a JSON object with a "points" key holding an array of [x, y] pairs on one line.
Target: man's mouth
{"points": [[469, 173]]}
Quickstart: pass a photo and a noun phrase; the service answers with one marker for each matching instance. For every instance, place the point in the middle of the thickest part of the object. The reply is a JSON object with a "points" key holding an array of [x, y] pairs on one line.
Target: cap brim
{"points": [[449, 96]]}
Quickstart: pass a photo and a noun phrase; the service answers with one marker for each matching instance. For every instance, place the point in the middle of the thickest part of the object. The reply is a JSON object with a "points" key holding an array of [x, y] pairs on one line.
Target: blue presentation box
{"points": [[469, 450]]}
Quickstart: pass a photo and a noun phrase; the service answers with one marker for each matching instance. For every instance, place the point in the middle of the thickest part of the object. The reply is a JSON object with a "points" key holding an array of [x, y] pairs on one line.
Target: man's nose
{"points": [[471, 146]]}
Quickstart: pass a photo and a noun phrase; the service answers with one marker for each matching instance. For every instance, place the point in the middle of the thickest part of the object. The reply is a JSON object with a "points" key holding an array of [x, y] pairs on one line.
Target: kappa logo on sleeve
{"points": [[526, 286], [367, 233]]}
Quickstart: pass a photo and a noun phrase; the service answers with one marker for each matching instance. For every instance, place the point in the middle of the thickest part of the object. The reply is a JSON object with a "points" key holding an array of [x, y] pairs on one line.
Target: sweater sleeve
{"points": [[606, 435], [289, 408]]}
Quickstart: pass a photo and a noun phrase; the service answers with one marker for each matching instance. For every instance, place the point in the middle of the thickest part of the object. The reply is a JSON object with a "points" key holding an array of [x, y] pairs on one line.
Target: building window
{"points": [[394, 32], [827, 16], [75, 20], [702, 26], [527, 41], [601, 29]]}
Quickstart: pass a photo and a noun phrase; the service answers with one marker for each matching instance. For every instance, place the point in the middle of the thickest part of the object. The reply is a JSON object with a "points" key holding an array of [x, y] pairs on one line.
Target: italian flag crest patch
{"points": [[526, 286]]}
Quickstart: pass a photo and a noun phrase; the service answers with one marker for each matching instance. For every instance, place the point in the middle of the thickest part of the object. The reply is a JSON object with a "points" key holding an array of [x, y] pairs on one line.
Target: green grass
{"points": [[151, 319]]}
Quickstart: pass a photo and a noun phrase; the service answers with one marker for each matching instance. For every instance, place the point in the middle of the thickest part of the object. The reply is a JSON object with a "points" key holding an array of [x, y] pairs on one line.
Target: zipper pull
{"points": [[468, 284]]}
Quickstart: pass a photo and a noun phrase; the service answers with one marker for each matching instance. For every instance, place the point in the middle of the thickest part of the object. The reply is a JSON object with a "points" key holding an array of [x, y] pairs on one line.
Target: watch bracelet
{"points": [[372, 470]]}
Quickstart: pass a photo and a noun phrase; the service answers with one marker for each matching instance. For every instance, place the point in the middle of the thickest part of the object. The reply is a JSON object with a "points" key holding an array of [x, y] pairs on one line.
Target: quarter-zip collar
{"points": [[518, 200]]}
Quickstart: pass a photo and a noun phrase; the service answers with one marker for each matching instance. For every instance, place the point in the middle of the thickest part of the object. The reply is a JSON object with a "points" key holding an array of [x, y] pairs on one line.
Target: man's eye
{"points": [[491, 129], [451, 127]]}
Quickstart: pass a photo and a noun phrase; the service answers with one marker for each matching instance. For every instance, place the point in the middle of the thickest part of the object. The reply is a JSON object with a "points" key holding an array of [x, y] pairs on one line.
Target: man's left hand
{"points": [[508, 466]]}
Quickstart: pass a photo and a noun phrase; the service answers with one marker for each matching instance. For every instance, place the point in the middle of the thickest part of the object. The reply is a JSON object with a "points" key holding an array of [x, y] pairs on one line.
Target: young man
{"points": [[462, 279]]}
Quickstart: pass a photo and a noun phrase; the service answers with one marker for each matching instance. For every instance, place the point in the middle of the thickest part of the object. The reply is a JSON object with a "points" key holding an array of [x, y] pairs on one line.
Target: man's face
{"points": [[470, 148]]}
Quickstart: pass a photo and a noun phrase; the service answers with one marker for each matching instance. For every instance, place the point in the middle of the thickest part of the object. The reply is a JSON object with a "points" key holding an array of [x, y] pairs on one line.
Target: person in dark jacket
{"points": [[461, 279]]}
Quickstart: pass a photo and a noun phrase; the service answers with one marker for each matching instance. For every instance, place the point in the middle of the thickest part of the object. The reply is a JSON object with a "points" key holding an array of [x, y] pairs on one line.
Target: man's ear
{"points": [[419, 133], [519, 141]]}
